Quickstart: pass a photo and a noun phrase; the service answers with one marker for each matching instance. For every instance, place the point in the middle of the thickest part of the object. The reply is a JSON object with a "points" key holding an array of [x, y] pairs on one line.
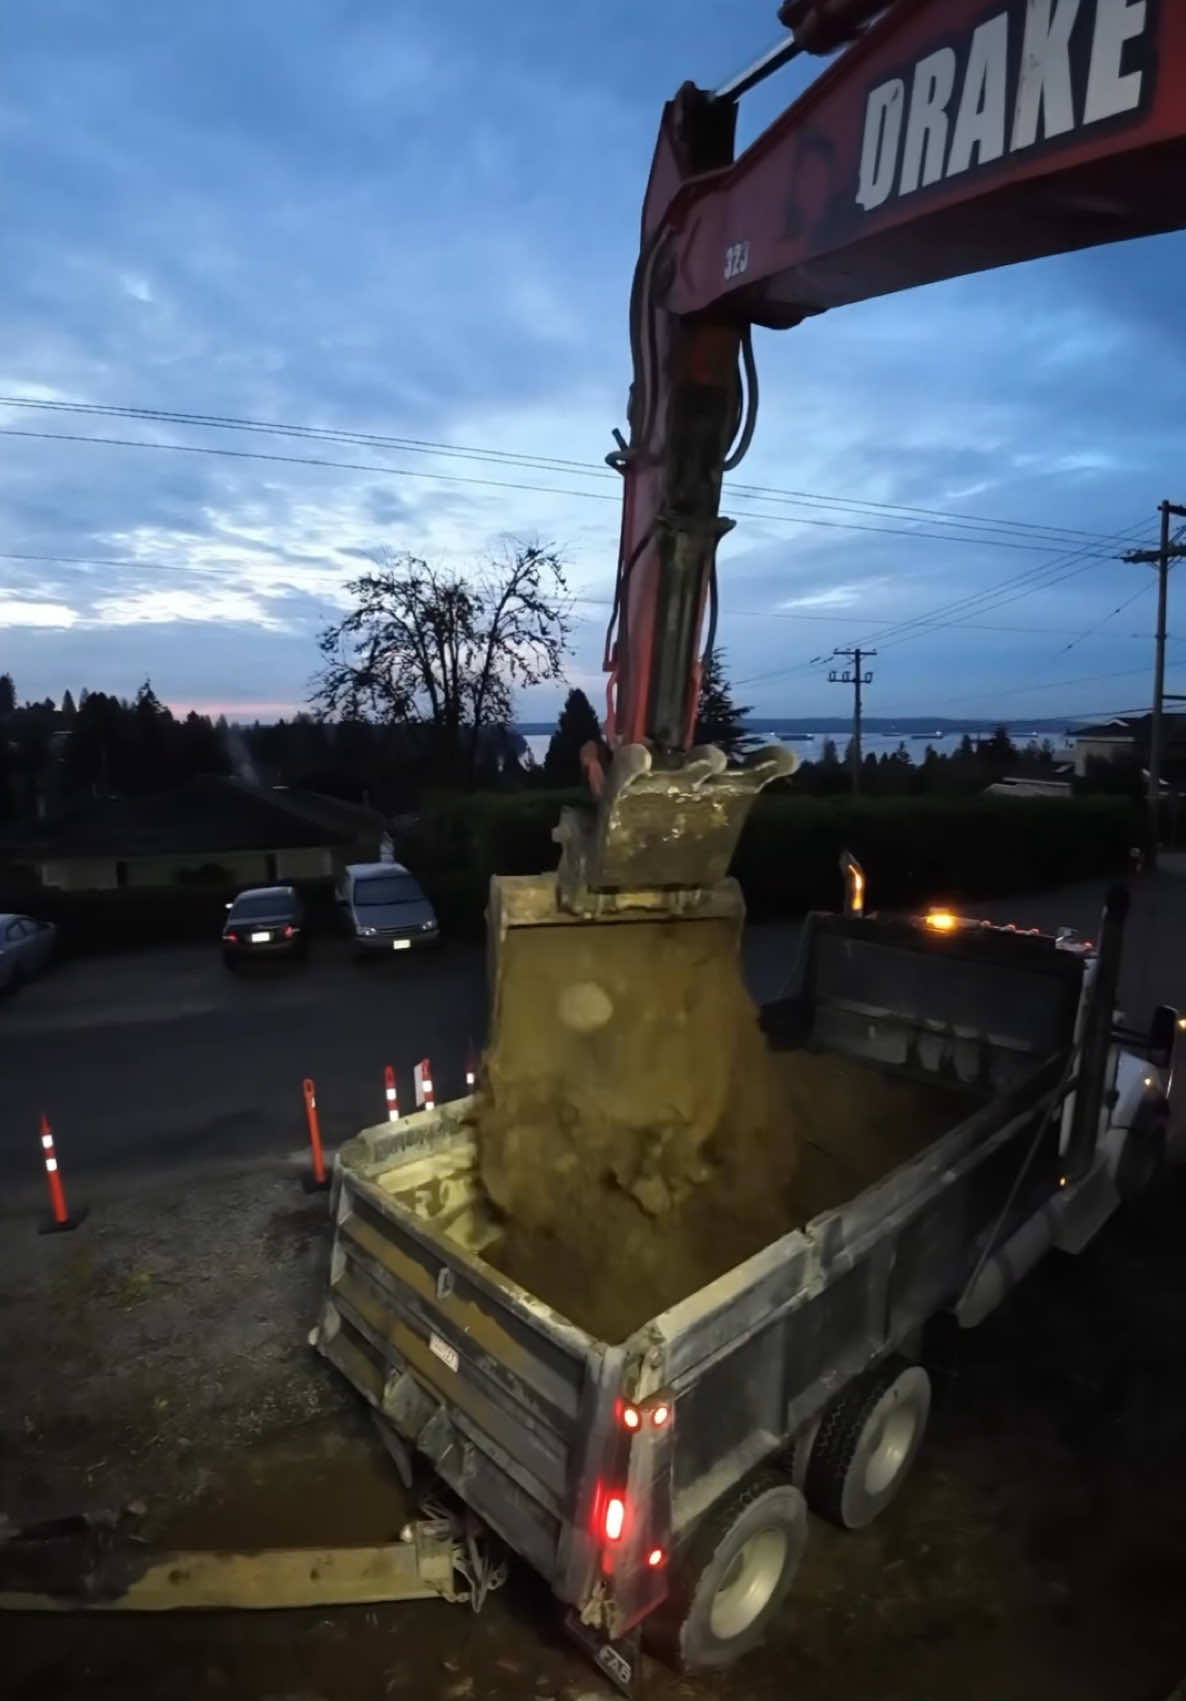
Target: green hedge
{"points": [[917, 850], [913, 849], [459, 842]]}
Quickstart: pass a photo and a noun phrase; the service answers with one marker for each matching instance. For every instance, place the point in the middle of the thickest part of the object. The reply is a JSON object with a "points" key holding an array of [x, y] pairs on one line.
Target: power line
{"points": [[982, 539], [502, 484], [1090, 631], [729, 612], [1023, 690], [1057, 535], [226, 574], [302, 461], [1042, 577], [1033, 579]]}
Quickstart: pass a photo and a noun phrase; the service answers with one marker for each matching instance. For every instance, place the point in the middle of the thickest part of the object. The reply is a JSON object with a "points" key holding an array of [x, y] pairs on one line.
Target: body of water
{"points": [[808, 743]]}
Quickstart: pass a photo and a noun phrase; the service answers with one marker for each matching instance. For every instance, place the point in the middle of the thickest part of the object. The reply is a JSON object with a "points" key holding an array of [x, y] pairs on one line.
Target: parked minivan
{"points": [[384, 909]]}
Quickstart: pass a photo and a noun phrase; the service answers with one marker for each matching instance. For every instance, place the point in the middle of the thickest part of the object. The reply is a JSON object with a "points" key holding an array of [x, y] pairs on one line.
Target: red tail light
{"points": [[289, 931], [231, 934], [655, 1558], [658, 1410], [614, 1520]]}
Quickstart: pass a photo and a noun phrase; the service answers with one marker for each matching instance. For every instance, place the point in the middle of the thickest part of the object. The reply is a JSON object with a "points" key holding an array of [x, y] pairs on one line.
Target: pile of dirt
{"points": [[610, 1267], [637, 1136], [620, 1051]]}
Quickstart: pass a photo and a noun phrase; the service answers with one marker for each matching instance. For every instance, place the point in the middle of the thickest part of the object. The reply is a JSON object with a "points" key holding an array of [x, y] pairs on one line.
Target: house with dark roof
{"points": [[1125, 740], [1029, 785], [214, 829]]}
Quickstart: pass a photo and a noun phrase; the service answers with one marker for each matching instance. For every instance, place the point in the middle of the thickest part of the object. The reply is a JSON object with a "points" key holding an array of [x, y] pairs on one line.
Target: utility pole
{"points": [[856, 679], [1160, 558]]}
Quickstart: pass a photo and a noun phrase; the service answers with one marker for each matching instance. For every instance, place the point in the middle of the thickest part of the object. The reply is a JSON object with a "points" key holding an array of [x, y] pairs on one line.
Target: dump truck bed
{"points": [[515, 1405]]}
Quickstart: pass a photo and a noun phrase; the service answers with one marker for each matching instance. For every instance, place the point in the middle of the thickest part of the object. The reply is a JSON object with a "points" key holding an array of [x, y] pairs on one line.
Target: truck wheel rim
{"points": [[750, 1580], [892, 1444]]}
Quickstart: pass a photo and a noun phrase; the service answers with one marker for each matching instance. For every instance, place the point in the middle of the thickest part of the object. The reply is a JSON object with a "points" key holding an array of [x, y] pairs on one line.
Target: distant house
{"points": [[1111, 741], [216, 830], [1125, 739]]}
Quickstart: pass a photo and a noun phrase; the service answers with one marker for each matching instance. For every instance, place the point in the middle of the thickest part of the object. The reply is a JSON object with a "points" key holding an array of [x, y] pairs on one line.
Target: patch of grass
{"points": [[72, 1285], [134, 1288]]}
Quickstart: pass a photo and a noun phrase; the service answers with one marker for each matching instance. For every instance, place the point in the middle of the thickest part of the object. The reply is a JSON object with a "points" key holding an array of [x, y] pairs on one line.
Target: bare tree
{"points": [[443, 650]]}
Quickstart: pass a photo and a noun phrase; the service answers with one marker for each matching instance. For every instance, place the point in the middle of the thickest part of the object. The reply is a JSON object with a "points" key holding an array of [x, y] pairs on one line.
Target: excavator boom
{"points": [[953, 136], [949, 136]]}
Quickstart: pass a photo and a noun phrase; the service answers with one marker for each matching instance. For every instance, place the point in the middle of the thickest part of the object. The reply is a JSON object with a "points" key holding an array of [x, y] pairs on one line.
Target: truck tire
{"points": [[736, 1574], [1143, 1156], [867, 1442]]}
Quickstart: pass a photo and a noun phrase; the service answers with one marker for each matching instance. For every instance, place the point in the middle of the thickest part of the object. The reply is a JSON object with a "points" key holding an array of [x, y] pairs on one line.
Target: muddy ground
{"points": [[1038, 1553], [159, 1354]]}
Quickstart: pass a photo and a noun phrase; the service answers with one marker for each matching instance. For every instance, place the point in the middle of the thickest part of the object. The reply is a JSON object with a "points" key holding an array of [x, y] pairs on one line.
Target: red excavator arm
{"points": [[952, 136]]}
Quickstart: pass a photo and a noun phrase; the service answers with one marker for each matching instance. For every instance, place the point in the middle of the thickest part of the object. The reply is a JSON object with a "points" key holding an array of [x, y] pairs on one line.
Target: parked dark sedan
{"points": [[26, 946], [266, 921]]}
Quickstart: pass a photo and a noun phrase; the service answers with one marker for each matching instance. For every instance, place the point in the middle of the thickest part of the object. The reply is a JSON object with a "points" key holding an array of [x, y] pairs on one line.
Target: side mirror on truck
{"points": [[1163, 1034]]}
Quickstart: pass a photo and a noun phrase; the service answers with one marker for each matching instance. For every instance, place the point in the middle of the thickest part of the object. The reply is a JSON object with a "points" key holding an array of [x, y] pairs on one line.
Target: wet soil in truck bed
{"points": [[609, 1265]]}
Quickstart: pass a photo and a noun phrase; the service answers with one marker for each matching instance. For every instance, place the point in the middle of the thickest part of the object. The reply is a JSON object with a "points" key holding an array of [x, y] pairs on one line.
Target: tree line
{"points": [[415, 693], [54, 753]]}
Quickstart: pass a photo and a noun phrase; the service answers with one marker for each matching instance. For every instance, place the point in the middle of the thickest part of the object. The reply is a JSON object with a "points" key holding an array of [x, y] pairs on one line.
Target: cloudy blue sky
{"points": [[419, 221]]}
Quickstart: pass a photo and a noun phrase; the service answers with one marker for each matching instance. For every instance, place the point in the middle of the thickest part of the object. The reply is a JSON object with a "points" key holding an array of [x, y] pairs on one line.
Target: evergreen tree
{"points": [[7, 695], [719, 720], [68, 709], [1000, 746], [998, 754], [576, 727]]}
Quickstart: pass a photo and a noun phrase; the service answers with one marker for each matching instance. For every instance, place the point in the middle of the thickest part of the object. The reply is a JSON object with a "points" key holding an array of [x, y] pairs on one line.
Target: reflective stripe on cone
{"points": [[425, 1094]]}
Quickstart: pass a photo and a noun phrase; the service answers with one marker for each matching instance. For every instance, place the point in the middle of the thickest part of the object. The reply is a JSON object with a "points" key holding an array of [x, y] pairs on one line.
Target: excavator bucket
{"points": [[620, 1028]]}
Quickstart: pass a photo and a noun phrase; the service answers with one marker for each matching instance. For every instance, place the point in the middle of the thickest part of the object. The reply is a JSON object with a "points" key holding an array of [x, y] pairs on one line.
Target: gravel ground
{"points": [[159, 1354], [1037, 1554], [168, 1331]]}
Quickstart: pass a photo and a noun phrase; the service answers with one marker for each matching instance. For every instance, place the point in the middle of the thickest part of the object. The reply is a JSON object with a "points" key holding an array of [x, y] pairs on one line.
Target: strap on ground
{"points": [[83, 1565]]}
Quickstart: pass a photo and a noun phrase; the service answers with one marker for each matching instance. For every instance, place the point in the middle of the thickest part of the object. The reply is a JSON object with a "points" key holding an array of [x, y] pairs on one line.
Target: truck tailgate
{"points": [[499, 1392]]}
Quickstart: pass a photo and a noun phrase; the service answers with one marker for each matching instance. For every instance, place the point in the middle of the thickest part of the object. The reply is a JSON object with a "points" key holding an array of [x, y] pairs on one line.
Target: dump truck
{"points": [[661, 1479], [662, 1482]]}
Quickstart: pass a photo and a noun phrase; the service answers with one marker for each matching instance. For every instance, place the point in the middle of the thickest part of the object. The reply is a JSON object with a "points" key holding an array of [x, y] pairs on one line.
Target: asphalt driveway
{"points": [[161, 1057]]}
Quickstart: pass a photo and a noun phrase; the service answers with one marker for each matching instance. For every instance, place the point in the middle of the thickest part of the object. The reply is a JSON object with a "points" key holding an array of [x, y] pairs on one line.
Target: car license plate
{"points": [[401, 944], [446, 1353], [260, 938]]}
